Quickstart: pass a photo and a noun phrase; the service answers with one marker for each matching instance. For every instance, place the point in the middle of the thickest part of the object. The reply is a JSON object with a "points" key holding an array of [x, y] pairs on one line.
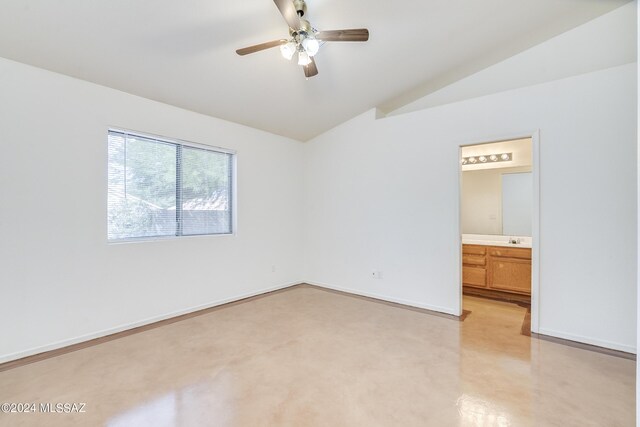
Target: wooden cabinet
{"points": [[497, 268], [499, 251], [510, 275], [474, 249], [474, 276]]}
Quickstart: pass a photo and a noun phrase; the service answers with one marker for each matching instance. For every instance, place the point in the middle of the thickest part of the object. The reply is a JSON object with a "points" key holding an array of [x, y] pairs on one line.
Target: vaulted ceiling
{"points": [[183, 52]]}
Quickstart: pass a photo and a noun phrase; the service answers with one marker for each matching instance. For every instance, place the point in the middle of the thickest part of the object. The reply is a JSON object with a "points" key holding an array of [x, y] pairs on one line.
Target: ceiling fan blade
{"points": [[259, 47], [355, 35], [289, 13], [310, 69]]}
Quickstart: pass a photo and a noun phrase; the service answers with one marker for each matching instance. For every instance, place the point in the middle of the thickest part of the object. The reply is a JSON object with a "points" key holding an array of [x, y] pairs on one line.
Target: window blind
{"points": [[159, 188]]}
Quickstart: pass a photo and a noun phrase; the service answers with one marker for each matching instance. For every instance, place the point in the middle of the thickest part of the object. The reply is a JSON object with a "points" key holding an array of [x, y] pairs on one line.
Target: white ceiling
{"points": [[183, 52]]}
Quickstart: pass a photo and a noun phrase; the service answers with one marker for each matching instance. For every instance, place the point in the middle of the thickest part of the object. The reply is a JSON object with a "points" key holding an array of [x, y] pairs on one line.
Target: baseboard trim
{"points": [[608, 348], [26, 357], [497, 295], [396, 302], [585, 343], [16, 360]]}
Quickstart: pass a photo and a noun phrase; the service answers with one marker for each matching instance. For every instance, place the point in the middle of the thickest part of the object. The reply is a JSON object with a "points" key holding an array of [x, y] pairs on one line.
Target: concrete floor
{"points": [[308, 357]]}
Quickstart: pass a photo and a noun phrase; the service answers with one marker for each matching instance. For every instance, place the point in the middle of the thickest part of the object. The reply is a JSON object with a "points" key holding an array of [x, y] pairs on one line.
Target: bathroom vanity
{"points": [[496, 206], [497, 267]]}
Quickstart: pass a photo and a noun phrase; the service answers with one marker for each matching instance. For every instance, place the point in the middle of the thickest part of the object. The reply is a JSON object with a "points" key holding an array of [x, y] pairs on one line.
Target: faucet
{"points": [[514, 241]]}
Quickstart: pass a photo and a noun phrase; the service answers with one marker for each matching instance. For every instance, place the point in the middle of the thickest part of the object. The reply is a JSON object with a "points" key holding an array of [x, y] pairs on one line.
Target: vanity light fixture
{"points": [[490, 158]]}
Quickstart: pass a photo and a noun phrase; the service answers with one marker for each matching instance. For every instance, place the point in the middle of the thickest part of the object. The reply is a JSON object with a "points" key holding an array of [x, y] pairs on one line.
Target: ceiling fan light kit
{"points": [[310, 45], [303, 38], [288, 49], [303, 58]]}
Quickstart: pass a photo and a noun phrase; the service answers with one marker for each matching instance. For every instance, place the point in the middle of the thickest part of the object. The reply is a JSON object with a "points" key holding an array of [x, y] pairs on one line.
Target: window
{"points": [[160, 188]]}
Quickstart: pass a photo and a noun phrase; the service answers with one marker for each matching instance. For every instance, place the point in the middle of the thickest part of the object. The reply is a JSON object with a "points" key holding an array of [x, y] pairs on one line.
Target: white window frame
{"points": [[181, 142]]}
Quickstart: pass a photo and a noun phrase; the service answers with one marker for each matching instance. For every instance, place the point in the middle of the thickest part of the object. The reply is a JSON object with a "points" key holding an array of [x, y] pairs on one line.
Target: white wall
{"points": [[377, 198], [373, 197], [61, 282]]}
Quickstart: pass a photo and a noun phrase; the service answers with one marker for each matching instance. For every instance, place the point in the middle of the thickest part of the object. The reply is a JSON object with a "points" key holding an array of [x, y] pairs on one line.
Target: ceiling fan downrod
{"points": [[301, 7]]}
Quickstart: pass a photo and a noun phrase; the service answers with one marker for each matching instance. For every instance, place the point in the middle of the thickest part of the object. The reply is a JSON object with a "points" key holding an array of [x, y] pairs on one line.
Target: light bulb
{"points": [[472, 160], [311, 45], [288, 49], [493, 158], [504, 156], [464, 161], [483, 159], [303, 58]]}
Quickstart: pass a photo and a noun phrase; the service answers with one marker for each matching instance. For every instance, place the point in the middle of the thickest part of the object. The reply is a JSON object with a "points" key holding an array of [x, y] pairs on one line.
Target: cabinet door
{"points": [[474, 276], [510, 274]]}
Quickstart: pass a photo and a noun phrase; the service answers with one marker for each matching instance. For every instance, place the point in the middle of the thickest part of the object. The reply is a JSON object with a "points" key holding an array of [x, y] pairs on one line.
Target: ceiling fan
{"points": [[303, 38]]}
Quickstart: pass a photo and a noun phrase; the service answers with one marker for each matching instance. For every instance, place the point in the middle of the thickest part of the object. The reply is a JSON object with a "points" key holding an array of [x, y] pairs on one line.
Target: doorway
{"points": [[499, 227]]}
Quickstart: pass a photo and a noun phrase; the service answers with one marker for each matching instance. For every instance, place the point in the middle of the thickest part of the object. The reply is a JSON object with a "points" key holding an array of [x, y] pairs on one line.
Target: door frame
{"points": [[535, 218]]}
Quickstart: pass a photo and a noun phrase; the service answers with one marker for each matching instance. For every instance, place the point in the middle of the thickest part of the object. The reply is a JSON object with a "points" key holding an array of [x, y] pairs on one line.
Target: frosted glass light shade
{"points": [[288, 49], [303, 58], [311, 46]]}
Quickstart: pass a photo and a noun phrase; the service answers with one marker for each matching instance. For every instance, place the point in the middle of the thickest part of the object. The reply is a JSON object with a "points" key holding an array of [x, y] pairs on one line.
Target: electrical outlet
{"points": [[273, 268], [376, 274]]}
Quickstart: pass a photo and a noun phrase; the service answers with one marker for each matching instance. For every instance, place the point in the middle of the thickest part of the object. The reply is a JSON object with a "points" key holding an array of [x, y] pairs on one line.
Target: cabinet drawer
{"points": [[474, 259], [474, 276], [524, 253], [474, 249]]}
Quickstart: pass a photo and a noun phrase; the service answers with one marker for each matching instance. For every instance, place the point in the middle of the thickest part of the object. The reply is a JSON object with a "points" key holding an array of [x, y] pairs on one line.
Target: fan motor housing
{"points": [[305, 28]]}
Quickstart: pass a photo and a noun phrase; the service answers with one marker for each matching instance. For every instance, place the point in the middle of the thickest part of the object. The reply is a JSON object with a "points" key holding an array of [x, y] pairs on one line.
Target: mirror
{"points": [[517, 189], [497, 198]]}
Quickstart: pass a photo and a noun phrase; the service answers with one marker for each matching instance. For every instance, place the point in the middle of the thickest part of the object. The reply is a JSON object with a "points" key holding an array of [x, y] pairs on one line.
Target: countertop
{"points": [[495, 240]]}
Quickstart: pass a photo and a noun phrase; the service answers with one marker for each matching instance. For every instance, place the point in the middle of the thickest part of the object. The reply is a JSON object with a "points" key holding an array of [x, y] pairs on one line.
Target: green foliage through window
{"points": [[159, 188]]}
